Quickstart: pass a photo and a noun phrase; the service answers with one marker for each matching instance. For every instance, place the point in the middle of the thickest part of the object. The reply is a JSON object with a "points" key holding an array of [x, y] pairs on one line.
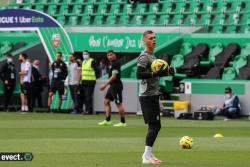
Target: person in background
{"points": [[74, 75], [8, 77], [114, 93], [25, 80], [36, 84], [103, 68], [88, 78], [230, 108], [59, 73]]}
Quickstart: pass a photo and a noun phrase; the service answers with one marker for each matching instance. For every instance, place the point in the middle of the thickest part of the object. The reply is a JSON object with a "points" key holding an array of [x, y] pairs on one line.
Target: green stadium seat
{"points": [[136, 20], [117, 1], [193, 8], [165, 8], [186, 48], [233, 19], [84, 2], [73, 21], [235, 7], [98, 20], [190, 20], [166, 84], [219, 7], [231, 29], [85, 20], [127, 9], [140, 9], [52, 10], [115, 9], [98, 2], [40, 8], [215, 49], [204, 20], [61, 20], [245, 8], [245, 50], [179, 8], [244, 20], [164, 20], [177, 20], [153, 8], [239, 62], [77, 10], [64, 10], [206, 7], [229, 73], [219, 20], [218, 29], [123, 20], [88, 10], [245, 29], [151, 20], [177, 61], [101, 10], [111, 20]]}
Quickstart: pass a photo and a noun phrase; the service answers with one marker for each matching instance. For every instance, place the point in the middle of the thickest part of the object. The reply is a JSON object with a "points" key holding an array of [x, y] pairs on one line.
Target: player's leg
{"points": [[151, 114], [50, 95], [107, 108], [120, 107], [60, 89]]}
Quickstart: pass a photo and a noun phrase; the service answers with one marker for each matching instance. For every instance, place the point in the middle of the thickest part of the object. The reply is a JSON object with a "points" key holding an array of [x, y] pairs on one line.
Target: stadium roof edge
{"points": [[134, 29]]}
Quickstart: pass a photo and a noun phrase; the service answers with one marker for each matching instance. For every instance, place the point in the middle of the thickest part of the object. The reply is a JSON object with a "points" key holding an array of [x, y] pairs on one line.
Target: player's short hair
{"points": [[73, 54], [148, 32], [24, 55], [228, 90], [60, 53], [111, 51]]}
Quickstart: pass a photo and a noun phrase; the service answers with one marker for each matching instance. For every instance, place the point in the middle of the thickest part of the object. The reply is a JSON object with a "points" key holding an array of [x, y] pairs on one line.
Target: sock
{"points": [[108, 118], [123, 119], [26, 108], [148, 151], [22, 108]]}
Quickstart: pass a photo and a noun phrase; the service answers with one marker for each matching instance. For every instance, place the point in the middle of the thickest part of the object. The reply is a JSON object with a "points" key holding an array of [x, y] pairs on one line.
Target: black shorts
{"points": [[150, 108], [114, 94], [25, 88], [57, 86]]}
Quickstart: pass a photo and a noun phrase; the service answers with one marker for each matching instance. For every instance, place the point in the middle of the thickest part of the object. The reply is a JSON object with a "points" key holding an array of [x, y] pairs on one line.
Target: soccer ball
{"points": [[157, 65], [186, 142]]}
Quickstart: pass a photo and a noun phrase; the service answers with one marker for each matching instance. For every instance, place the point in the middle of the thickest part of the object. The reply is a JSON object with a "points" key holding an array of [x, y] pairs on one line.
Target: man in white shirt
{"points": [[25, 80], [74, 75]]}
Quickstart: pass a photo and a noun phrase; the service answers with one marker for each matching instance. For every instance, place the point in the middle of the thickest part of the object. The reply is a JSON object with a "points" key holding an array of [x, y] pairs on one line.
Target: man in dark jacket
{"points": [[36, 84], [8, 77]]}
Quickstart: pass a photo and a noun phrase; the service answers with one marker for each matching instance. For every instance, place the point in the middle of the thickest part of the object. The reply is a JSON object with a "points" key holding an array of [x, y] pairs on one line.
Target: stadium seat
{"points": [[206, 7], [62, 20], [186, 48], [52, 10], [64, 10], [111, 20], [190, 20], [127, 9], [40, 8], [88, 10], [218, 29], [231, 29], [245, 51], [235, 7], [219, 7], [164, 20], [123, 20], [179, 8], [86, 20], [73, 21], [232, 20], [229, 73], [115, 9], [153, 8], [203, 20], [177, 20], [101, 10], [98, 2], [215, 49], [117, 2], [151, 20], [239, 62], [77, 10], [177, 61], [140, 9], [98, 20], [165, 8], [219, 20], [136, 20]]}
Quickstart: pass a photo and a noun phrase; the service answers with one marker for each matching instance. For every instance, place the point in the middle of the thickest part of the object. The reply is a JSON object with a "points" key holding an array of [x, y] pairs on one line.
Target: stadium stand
{"points": [[227, 16]]}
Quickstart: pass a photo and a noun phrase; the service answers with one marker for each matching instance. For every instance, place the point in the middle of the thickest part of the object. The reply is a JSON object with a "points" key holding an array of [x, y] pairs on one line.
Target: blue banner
{"points": [[10, 18]]}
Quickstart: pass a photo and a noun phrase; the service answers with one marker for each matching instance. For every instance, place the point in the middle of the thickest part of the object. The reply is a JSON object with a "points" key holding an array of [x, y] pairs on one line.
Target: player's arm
{"points": [[111, 79], [79, 72], [141, 73]]}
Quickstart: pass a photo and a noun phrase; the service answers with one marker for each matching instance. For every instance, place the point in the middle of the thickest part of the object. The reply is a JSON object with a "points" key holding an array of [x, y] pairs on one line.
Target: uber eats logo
{"points": [[16, 156]]}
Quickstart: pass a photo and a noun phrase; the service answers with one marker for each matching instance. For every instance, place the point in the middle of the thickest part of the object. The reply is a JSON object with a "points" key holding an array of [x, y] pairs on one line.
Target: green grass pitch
{"points": [[61, 140]]}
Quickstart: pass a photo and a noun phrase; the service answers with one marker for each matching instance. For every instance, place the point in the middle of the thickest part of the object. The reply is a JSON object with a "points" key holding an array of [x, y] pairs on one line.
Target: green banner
{"points": [[119, 42]]}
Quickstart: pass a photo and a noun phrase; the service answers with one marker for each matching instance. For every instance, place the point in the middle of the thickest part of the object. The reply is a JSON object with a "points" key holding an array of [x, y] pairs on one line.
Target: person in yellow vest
{"points": [[88, 81]]}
